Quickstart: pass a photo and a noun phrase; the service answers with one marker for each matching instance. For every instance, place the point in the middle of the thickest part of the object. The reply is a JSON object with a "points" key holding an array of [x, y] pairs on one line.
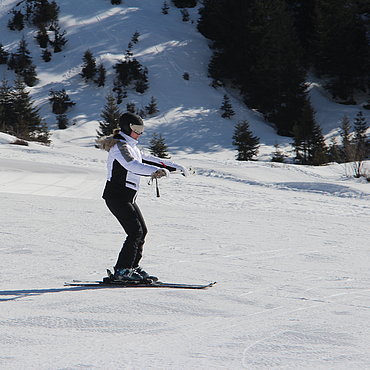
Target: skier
{"points": [[125, 164]]}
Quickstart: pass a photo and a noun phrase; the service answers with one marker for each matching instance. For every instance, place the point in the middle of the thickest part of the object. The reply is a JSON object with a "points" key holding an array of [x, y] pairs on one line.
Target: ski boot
{"points": [[127, 274], [145, 275]]}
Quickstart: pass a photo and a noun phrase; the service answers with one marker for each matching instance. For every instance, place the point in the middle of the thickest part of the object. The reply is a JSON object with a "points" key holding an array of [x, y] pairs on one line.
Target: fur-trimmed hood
{"points": [[108, 142]]}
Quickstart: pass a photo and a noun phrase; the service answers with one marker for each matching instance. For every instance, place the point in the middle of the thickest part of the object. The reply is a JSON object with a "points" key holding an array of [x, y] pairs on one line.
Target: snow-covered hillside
{"points": [[189, 117], [288, 245]]}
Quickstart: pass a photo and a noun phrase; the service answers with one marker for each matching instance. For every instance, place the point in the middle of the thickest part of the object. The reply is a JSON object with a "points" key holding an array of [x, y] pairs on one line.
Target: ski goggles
{"points": [[138, 129]]}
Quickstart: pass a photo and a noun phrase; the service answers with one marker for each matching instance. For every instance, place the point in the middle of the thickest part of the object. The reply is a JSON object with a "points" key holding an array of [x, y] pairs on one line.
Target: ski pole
{"points": [[157, 187]]}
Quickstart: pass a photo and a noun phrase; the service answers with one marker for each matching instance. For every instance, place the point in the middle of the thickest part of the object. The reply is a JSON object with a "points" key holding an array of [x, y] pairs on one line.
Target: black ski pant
{"points": [[129, 216]]}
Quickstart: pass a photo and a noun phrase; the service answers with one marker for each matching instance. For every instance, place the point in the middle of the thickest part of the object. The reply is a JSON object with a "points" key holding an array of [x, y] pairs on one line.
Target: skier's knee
{"points": [[137, 235]]}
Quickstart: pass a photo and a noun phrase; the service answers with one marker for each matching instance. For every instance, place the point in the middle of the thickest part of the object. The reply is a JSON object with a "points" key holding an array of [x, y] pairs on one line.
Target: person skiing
{"points": [[125, 165]]}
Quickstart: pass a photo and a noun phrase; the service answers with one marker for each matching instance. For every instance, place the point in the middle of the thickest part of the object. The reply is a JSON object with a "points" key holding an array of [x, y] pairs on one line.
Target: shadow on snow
{"points": [[11, 295]]}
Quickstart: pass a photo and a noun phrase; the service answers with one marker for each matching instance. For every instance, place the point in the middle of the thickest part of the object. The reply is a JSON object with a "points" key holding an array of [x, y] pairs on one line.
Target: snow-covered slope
{"points": [[287, 244]]}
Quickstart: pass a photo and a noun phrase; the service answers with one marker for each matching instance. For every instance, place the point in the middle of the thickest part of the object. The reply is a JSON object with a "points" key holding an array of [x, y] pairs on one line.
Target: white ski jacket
{"points": [[127, 163]]}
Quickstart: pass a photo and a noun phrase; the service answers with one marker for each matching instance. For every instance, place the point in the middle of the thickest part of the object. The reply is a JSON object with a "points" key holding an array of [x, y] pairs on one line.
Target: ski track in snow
{"points": [[324, 187]]}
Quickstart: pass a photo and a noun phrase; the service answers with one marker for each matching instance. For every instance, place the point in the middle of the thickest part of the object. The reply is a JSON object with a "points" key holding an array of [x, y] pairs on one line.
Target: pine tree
{"points": [[59, 39], [12, 61], [17, 22], [144, 77], [303, 134], [226, 108], [29, 12], [151, 108], [309, 143], [185, 15], [28, 123], [131, 107], [21, 62], [22, 58], [185, 3], [278, 155], [274, 81], [318, 152], [158, 146], [89, 69], [303, 12], [212, 12], [42, 37], [129, 52], [141, 86], [129, 71], [119, 90], [110, 115], [360, 141], [347, 152], [247, 144], [29, 75], [123, 73], [297, 144], [46, 55], [135, 37], [3, 55], [42, 134], [7, 115], [341, 48], [266, 56], [141, 113], [62, 121], [60, 101], [165, 8], [44, 12], [334, 152], [101, 74]]}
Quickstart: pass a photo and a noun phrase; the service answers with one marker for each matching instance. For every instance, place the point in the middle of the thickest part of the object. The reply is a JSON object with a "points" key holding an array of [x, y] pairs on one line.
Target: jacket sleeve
{"points": [[123, 155], [160, 162]]}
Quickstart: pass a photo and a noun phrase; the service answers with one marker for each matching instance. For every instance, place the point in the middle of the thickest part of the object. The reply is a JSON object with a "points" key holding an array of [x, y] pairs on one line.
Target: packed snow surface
{"points": [[288, 245]]}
